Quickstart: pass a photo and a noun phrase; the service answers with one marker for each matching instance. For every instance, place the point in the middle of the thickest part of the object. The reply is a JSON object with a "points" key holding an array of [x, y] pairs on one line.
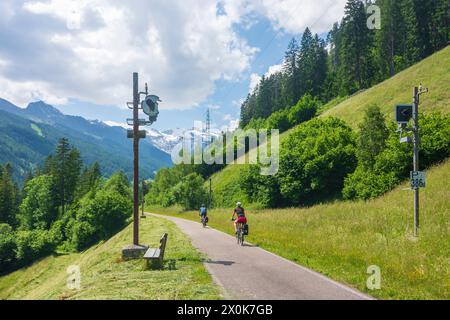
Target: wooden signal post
{"points": [[150, 108]]}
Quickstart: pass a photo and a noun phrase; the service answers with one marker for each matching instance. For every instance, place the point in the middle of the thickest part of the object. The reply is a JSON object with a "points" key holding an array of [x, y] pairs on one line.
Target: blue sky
{"points": [[79, 55]]}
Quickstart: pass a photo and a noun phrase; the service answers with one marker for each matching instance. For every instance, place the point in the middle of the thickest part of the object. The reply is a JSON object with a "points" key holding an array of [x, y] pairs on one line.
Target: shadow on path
{"points": [[225, 263]]}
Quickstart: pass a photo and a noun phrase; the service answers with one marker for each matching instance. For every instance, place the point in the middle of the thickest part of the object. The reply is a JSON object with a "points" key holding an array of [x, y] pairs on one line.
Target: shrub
{"points": [[98, 218], [278, 120], [118, 183], [160, 192], [304, 110], [7, 248], [394, 163], [110, 212], [39, 208], [435, 138], [365, 184], [372, 137], [33, 245], [83, 234], [315, 158], [256, 124], [190, 192], [264, 190]]}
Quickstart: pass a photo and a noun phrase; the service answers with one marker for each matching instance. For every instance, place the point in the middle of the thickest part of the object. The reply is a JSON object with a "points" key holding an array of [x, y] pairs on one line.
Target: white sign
{"points": [[417, 179]]}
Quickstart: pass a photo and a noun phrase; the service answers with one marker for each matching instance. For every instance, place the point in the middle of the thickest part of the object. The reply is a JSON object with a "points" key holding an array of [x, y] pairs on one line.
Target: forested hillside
{"points": [[352, 57], [65, 205], [356, 75], [370, 116]]}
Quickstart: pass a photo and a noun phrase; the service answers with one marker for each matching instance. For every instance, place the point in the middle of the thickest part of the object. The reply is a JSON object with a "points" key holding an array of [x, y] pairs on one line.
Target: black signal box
{"points": [[403, 113]]}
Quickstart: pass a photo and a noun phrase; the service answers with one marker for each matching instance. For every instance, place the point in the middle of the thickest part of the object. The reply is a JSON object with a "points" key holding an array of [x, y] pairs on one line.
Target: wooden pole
{"points": [[136, 159], [143, 199]]}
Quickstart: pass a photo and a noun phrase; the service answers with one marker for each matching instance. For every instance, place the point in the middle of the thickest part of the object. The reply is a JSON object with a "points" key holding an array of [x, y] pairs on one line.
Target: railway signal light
{"points": [[404, 113], [150, 107]]}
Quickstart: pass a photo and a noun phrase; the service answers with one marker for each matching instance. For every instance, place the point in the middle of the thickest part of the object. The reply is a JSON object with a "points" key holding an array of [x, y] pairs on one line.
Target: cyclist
{"points": [[240, 213], [203, 212]]}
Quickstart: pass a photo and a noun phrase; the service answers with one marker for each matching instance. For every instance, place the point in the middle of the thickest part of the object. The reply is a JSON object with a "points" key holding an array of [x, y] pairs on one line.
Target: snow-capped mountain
{"points": [[166, 140]]}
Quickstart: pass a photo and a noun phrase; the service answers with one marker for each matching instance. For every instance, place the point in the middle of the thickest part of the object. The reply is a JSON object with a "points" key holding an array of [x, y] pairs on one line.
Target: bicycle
{"points": [[240, 234], [204, 221]]}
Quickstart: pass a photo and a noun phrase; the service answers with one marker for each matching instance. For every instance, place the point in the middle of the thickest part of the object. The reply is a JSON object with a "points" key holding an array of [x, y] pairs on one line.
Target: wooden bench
{"points": [[155, 257]]}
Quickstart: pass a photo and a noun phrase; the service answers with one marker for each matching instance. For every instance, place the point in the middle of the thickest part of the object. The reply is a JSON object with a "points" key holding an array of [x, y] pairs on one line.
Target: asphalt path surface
{"points": [[251, 273]]}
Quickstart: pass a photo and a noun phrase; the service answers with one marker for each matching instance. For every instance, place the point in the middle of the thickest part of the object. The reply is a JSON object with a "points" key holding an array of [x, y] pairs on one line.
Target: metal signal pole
{"points": [[136, 100], [416, 141], [404, 114], [416, 157]]}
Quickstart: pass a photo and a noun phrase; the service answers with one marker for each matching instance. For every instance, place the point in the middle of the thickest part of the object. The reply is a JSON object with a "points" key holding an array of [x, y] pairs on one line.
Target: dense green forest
{"points": [[63, 206], [325, 159], [352, 57]]}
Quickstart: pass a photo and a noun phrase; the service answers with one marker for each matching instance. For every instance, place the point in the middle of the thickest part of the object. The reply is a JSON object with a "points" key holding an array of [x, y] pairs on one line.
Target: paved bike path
{"points": [[249, 272]]}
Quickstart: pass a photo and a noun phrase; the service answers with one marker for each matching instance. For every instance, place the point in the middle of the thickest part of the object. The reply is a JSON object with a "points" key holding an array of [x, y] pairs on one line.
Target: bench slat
{"points": [[152, 254], [157, 255]]}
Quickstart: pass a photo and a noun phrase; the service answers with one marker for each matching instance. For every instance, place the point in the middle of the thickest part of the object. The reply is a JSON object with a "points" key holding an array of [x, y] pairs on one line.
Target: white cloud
{"points": [[180, 47], [233, 124], [293, 15], [238, 103], [274, 69], [87, 50], [22, 93]]}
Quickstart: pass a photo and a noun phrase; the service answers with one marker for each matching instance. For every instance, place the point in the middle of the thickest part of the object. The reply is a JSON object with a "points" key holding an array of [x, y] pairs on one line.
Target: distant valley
{"points": [[29, 135]]}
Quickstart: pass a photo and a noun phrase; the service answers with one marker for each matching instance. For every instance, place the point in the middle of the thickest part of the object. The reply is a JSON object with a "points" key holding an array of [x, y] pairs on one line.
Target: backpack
{"points": [[246, 230]]}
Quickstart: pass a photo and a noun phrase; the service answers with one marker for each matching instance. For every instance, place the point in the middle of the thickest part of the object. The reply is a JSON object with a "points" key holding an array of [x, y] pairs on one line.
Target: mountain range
{"points": [[28, 135], [166, 140]]}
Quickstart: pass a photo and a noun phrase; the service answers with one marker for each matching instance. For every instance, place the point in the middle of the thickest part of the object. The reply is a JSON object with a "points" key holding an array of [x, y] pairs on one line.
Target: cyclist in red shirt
{"points": [[240, 213]]}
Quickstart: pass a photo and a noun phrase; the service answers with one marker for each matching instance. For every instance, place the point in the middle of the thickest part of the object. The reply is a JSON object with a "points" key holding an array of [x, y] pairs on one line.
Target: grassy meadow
{"points": [[342, 239], [105, 276], [433, 72]]}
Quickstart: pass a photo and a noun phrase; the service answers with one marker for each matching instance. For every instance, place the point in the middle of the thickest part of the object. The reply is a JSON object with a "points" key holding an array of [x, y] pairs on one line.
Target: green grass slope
{"points": [[433, 72], [105, 276], [342, 239]]}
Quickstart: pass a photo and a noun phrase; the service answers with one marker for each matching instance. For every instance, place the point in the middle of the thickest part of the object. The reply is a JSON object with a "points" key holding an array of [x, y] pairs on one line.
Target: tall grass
{"points": [[343, 239]]}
